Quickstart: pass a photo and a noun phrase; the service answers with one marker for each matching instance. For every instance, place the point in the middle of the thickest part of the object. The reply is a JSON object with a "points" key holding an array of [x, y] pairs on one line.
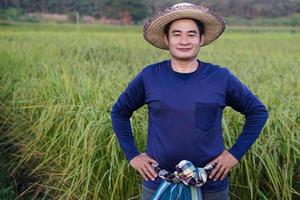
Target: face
{"points": [[184, 39]]}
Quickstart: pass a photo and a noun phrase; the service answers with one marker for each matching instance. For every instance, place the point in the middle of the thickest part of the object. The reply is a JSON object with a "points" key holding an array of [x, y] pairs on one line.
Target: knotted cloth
{"points": [[183, 184]]}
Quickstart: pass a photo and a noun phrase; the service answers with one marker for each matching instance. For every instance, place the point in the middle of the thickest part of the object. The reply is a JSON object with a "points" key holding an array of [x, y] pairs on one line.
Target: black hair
{"points": [[199, 24]]}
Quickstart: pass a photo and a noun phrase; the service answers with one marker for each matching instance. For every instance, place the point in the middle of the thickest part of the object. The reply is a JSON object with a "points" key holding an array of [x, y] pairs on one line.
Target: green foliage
{"points": [[136, 9], [6, 188], [14, 15], [7, 193], [57, 92], [73, 16], [10, 14]]}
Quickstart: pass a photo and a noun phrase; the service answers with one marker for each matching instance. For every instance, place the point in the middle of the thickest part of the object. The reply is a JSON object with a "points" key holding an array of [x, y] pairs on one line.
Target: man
{"points": [[186, 98]]}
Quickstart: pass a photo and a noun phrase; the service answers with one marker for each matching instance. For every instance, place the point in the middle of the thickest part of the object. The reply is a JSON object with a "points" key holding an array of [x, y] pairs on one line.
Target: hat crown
{"points": [[182, 4]]}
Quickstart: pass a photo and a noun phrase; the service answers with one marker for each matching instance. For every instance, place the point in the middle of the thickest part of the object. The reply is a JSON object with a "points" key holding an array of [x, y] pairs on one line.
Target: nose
{"points": [[184, 40]]}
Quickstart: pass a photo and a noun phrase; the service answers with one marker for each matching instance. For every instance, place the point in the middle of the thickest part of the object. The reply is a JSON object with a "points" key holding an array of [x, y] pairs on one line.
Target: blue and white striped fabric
{"points": [[184, 184]]}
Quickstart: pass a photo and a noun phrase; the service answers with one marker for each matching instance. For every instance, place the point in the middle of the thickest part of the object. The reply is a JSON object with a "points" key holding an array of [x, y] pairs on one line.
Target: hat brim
{"points": [[214, 25]]}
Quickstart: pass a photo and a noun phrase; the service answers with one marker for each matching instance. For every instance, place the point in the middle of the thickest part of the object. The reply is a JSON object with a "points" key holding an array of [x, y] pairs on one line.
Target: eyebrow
{"points": [[179, 31], [193, 31]]}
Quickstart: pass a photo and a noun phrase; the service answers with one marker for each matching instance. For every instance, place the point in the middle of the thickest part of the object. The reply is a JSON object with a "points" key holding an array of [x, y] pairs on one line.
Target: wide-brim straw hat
{"points": [[214, 25]]}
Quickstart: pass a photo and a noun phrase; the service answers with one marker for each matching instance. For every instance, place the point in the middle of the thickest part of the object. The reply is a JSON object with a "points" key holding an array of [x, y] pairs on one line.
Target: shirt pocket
{"points": [[205, 115]]}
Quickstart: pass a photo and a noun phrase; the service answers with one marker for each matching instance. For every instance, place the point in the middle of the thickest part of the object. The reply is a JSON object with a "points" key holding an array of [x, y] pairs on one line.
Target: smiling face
{"points": [[184, 40]]}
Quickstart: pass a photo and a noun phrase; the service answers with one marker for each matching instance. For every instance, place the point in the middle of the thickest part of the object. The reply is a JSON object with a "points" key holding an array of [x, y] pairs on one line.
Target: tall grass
{"points": [[57, 89]]}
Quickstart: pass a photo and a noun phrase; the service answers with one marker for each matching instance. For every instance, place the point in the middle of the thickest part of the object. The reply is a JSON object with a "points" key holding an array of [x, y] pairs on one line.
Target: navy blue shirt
{"points": [[185, 116]]}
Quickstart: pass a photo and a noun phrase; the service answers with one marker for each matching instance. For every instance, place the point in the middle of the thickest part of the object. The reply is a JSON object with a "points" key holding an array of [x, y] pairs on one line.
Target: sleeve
{"points": [[130, 100], [241, 99]]}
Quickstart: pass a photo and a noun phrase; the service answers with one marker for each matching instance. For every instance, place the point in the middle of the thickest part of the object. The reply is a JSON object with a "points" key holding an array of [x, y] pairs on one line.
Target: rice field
{"points": [[58, 84]]}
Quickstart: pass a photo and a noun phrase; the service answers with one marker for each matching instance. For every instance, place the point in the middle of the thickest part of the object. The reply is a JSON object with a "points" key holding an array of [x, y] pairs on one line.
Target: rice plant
{"points": [[58, 84]]}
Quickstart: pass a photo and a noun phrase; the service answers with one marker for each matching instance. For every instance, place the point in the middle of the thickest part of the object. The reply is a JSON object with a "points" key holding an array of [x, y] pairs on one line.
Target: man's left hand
{"points": [[224, 163]]}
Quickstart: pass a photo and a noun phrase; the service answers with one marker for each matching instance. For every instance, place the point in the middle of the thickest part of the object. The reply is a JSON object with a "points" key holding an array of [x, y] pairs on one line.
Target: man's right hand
{"points": [[142, 163]]}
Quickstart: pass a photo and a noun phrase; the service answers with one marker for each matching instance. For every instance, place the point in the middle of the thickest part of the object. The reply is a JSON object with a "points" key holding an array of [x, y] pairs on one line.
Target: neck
{"points": [[184, 66]]}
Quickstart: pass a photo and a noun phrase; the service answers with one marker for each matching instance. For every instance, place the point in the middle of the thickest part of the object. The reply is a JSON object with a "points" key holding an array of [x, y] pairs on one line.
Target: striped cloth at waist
{"points": [[184, 184]]}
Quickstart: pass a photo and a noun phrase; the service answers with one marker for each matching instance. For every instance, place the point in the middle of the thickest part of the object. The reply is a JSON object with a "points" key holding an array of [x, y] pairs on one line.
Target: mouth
{"points": [[184, 49]]}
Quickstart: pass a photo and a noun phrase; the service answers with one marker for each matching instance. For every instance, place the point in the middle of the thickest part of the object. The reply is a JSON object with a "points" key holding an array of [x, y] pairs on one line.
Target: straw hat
{"points": [[214, 25]]}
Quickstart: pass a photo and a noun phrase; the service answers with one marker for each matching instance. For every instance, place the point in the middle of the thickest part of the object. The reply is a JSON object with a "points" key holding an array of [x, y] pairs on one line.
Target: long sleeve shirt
{"points": [[184, 116]]}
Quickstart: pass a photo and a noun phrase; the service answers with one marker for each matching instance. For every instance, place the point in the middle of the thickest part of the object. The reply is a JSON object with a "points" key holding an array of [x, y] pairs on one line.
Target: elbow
{"points": [[117, 111], [262, 113], [259, 112], [114, 111]]}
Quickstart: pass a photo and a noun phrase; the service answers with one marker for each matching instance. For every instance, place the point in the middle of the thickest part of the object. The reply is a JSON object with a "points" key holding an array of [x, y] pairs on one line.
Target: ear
{"points": [[201, 40], [166, 40]]}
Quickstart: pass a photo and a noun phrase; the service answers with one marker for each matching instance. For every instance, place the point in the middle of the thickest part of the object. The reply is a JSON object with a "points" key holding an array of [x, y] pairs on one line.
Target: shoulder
{"points": [[216, 69], [154, 69], [155, 66]]}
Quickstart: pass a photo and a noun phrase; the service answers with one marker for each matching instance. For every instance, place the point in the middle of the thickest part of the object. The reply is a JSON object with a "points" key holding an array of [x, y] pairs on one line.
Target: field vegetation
{"points": [[59, 82]]}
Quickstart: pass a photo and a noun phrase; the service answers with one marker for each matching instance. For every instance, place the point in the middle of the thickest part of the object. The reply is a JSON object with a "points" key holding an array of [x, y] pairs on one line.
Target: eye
{"points": [[176, 34]]}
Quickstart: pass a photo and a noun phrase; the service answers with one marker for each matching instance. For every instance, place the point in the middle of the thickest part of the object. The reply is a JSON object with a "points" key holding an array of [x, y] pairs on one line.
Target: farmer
{"points": [[185, 98]]}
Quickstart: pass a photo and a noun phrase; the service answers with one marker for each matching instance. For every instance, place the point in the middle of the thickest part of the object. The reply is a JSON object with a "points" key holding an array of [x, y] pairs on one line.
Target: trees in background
{"points": [[116, 9], [255, 8], [137, 10]]}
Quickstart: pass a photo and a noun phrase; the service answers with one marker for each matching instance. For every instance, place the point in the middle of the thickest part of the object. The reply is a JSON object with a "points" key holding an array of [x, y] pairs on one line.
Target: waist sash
{"points": [[184, 184]]}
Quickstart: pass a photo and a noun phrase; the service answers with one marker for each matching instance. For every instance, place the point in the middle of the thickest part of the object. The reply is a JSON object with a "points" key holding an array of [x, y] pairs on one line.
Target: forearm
{"points": [[122, 128], [254, 123]]}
